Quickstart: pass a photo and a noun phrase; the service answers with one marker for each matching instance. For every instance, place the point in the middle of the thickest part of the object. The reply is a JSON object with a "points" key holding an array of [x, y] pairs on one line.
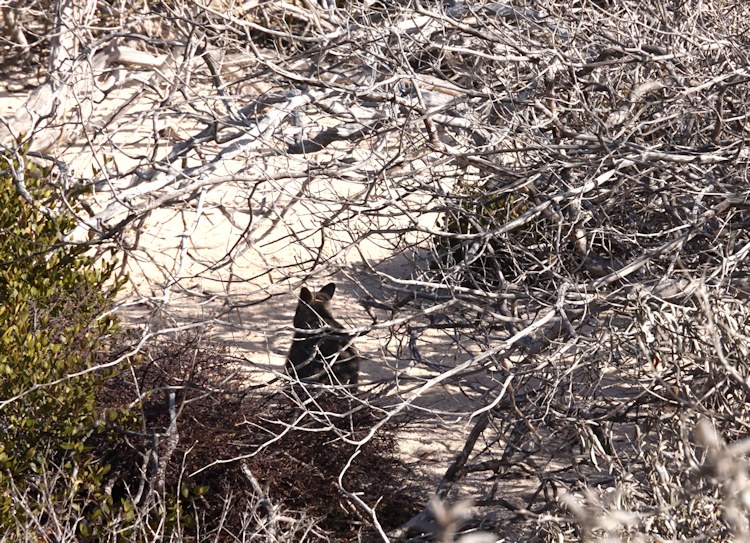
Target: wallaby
{"points": [[323, 355]]}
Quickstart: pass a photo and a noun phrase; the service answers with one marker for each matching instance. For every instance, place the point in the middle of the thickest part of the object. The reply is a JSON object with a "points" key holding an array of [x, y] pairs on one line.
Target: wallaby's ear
{"points": [[305, 295], [327, 291]]}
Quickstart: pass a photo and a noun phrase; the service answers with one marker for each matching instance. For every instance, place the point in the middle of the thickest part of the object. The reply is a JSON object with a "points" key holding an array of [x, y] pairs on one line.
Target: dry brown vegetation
{"points": [[538, 212], [244, 460]]}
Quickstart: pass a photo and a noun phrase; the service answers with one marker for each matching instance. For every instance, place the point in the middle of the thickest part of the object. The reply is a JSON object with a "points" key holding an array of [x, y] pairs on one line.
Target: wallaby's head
{"points": [[314, 310]]}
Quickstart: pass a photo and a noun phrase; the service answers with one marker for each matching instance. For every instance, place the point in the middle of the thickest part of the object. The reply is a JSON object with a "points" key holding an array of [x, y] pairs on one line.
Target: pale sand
{"points": [[179, 273]]}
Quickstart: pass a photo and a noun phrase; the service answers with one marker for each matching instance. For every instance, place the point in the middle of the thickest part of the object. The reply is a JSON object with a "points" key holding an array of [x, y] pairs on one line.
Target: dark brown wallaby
{"points": [[322, 355]]}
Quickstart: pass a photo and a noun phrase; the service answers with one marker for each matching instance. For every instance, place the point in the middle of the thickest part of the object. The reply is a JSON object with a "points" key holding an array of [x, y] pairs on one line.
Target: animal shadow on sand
{"points": [[321, 351]]}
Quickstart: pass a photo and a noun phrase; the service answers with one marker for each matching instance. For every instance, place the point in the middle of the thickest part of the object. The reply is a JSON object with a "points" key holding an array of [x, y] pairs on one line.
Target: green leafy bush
{"points": [[477, 252], [52, 296]]}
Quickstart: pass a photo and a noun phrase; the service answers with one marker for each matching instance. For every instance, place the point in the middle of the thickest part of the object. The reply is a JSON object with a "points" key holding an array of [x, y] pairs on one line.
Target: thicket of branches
{"points": [[542, 206]]}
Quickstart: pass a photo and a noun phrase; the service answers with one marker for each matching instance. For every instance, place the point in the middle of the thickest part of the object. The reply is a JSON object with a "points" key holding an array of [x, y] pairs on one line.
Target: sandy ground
{"points": [[236, 270]]}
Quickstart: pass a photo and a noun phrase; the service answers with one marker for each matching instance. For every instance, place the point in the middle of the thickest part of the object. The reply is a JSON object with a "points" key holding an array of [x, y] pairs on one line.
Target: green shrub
{"points": [[52, 296], [483, 258]]}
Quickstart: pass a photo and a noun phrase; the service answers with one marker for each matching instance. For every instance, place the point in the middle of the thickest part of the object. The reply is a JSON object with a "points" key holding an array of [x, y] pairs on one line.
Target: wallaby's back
{"points": [[323, 355]]}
